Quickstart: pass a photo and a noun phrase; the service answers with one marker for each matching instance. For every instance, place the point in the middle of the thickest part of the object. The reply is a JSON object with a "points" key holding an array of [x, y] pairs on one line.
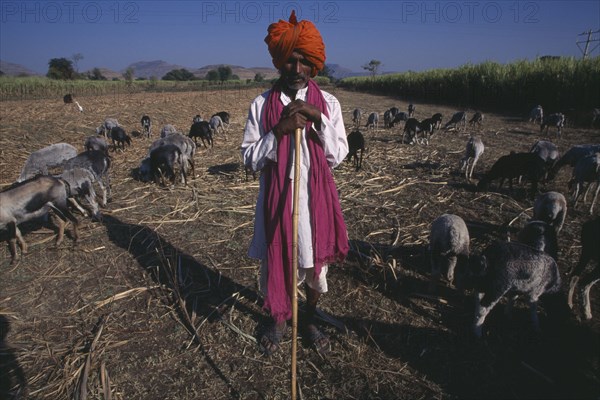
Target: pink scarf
{"points": [[330, 238]]}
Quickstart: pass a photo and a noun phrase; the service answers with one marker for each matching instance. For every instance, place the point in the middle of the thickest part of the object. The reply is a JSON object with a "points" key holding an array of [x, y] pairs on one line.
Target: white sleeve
{"points": [[333, 133], [257, 147]]}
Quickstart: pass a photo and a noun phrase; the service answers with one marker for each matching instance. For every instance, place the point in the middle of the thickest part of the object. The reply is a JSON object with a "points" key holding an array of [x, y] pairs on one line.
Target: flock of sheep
{"points": [[527, 266]]}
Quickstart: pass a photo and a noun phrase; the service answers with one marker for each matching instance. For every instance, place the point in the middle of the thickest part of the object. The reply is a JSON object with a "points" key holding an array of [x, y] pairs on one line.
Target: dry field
{"points": [[159, 300]]}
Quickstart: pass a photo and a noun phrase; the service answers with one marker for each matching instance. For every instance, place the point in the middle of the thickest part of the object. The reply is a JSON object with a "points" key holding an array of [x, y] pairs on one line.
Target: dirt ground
{"points": [[160, 301]]}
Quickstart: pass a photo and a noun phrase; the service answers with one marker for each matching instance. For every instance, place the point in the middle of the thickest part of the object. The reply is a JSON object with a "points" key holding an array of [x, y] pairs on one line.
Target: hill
{"points": [[148, 69], [109, 74], [11, 69]]}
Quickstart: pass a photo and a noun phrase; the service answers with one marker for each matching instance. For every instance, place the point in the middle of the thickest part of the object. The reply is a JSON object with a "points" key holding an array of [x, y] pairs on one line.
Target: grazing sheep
{"points": [[387, 118], [426, 130], [40, 161], [437, 120], [106, 127], [411, 110], [448, 246], [411, 127], [225, 117], [373, 121], [167, 130], [586, 170], [458, 118], [203, 131], [572, 156], [146, 125], [473, 151], [119, 138], [507, 269], [590, 251], [394, 111], [557, 120], [185, 145], [68, 98], [163, 162], [32, 199], [357, 116], [477, 119], [512, 166], [98, 163], [81, 181], [541, 236], [548, 152], [551, 207], [95, 143], [216, 124], [401, 116], [536, 115], [356, 142]]}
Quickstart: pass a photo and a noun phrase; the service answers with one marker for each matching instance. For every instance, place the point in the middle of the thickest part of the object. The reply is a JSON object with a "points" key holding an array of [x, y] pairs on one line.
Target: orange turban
{"points": [[285, 37]]}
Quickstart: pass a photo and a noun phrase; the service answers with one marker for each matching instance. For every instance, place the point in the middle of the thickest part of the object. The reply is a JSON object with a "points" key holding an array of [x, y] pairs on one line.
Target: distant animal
{"points": [[46, 158], [473, 152], [197, 118], [512, 166], [411, 127], [68, 98], [507, 269], [387, 118], [557, 120], [477, 119], [448, 246], [356, 143], [78, 106], [119, 138], [437, 119], [203, 131], [216, 125], [411, 110], [590, 251], [373, 121], [225, 117], [106, 127], [426, 130], [32, 199], [458, 118], [146, 125], [536, 115], [357, 116], [401, 116]]}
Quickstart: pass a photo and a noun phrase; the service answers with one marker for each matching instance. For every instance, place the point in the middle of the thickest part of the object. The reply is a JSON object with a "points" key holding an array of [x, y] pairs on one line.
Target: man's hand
{"points": [[295, 115]]}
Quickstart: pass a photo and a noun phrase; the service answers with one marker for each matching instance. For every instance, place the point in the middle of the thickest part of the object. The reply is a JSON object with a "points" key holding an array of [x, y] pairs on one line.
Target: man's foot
{"points": [[318, 339], [268, 341]]}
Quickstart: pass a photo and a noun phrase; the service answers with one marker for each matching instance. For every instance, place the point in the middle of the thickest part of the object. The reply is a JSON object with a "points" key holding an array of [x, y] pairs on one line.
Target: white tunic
{"points": [[259, 147]]}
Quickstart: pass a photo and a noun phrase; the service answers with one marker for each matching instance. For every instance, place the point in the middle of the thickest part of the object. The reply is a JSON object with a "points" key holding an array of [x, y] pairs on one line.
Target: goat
{"points": [[225, 117], [426, 130], [165, 159], [216, 123], [373, 121], [356, 142], [586, 170], [512, 166], [81, 181], [507, 269], [119, 138], [185, 145], [551, 207], [167, 130], [40, 161], [556, 119], [437, 120], [203, 131], [572, 156], [107, 126], [32, 199], [411, 127], [98, 163], [536, 114], [590, 251], [411, 110], [146, 125], [197, 118], [401, 116], [448, 246], [95, 143], [473, 151], [357, 116], [541, 236], [477, 119], [458, 118]]}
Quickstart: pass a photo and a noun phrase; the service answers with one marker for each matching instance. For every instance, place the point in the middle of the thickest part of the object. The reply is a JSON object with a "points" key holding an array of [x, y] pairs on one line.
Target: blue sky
{"points": [[403, 35]]}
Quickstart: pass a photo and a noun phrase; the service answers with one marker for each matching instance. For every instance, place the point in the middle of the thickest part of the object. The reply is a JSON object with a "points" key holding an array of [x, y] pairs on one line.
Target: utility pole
{"points": [[587, 43]]}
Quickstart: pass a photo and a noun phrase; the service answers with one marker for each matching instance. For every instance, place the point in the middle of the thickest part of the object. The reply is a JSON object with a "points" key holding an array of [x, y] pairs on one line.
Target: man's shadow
{"points": [[13, 383]]}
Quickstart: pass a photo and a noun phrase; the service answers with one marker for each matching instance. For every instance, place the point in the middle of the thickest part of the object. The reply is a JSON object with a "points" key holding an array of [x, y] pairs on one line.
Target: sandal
{"points": [[268, 342], [317, 339]]}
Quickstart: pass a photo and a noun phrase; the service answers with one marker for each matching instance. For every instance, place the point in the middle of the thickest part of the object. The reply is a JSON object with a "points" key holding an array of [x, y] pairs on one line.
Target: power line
{"points": [[587, 43]]}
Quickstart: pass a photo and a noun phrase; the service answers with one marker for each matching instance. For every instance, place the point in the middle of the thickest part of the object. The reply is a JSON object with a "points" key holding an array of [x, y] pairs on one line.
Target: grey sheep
{"points": [[458, 118], [98, 163], [572, 156], [473, 152], [81, 183], [373, 121], [551, 207], [95, 143], [536, 115], [40, 161], [448, 246], [357, 116], [477, 119], [167, 130], [541, 236], [107, 126], [508, 269], [590, 251]]}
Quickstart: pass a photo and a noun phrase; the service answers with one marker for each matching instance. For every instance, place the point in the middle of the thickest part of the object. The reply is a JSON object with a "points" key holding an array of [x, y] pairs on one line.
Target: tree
{"points": [[179, 75], [76, 58], [225, 73], [212, 75], [372, 67], [61, 68], [259, 77], [128, 75], [96, 75]]}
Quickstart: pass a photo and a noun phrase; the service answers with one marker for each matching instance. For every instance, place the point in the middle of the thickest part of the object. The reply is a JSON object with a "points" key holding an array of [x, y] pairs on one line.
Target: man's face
{"points": [[296, 71]]}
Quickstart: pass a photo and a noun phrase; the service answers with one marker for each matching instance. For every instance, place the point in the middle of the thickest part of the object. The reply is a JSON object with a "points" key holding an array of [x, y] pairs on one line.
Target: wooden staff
{"points": [[294, 299]]}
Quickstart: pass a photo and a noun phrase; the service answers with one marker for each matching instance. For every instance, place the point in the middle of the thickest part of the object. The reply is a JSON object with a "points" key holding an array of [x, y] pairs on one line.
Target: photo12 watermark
{"points": [[469, 12], [69, 12], [253, 11]]}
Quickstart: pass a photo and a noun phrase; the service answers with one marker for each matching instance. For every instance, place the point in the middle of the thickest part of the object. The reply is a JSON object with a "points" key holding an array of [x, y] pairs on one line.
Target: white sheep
{"points": [[40, 161], [448, 246]]}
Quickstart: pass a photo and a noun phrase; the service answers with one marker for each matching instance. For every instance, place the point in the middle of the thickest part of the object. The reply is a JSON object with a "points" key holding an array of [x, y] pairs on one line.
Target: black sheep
{"points": [[201, 130], [356, 142]]}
